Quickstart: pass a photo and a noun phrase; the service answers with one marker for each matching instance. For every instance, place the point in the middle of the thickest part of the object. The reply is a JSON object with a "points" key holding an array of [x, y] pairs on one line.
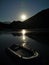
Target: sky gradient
{"points": [[12, 9]]}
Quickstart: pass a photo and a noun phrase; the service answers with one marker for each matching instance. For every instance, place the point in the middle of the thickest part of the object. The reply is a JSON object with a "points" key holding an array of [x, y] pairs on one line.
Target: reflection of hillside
{"points": [[16, 34], [40, 37]]}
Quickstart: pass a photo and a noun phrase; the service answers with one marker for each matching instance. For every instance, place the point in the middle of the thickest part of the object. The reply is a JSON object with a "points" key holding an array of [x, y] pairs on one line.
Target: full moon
{"points": [[23, 17]]}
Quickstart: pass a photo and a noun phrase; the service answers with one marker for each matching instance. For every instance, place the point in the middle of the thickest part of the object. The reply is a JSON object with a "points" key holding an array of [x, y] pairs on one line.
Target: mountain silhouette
{"points": [[40, 20], [15, 24], [3, 25]]}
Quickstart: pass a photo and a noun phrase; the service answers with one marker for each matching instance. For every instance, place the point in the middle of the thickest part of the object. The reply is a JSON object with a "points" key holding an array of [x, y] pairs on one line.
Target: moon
{"points": [[23, 17]]}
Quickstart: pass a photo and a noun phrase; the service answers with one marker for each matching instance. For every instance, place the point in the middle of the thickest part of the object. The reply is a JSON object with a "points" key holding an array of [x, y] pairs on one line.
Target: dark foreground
{"points": [[36, 41]]}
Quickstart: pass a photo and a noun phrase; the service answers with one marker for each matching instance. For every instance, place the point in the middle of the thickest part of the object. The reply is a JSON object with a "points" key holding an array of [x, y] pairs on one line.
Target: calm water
{"points": [[11, 37]]}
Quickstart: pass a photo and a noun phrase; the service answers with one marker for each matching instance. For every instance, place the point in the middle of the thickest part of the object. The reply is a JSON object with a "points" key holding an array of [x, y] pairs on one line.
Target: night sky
{"points": [[12, 9]]}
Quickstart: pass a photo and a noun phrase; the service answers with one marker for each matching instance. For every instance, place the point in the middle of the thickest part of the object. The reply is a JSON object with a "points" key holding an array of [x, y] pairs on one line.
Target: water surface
{"points": [[11, 37]]}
